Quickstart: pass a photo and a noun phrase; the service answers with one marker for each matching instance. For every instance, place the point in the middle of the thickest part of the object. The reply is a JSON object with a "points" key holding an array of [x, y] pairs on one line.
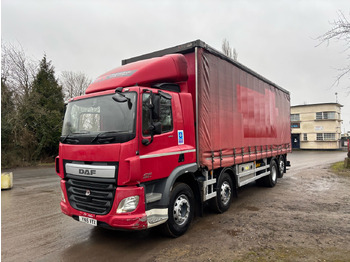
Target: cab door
{"points": [[159, 157]]}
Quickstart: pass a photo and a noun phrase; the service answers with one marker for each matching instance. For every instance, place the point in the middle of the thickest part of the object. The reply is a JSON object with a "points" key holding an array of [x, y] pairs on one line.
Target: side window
{"points": [[165, 115]]}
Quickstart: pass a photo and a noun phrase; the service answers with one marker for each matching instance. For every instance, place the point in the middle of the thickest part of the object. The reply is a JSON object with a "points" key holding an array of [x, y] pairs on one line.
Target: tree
{"points": [[227, 50], [17, 70], [340, 31], [17, 74], [7, 124], [43, 111], [74, 84], [31, 108]]}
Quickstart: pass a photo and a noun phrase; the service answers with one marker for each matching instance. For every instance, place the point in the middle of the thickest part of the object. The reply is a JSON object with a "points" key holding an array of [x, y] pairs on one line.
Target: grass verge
{"points": [[339, 169]]}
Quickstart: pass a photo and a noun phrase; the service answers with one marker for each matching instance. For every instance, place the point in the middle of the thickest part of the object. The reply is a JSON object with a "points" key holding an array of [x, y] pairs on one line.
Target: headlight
{"points": [[128, 204]]}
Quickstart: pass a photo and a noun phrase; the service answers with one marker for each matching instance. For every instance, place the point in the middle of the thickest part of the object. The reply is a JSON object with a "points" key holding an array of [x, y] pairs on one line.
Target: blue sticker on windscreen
{"points": [[180, 137]]}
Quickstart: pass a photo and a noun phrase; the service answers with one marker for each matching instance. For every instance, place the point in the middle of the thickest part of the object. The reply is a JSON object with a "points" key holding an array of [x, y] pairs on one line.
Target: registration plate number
{"points": [[88, 220]]}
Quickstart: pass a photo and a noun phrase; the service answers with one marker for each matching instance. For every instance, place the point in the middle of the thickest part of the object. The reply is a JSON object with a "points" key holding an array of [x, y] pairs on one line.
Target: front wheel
{"points": [[180, 212]]}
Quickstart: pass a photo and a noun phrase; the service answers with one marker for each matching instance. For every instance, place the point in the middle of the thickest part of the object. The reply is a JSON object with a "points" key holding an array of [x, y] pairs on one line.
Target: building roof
{"points": [[318, 104]]}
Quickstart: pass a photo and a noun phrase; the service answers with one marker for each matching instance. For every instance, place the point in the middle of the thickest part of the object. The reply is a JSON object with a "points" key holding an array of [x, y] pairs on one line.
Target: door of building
{"points": [[295, 140]]}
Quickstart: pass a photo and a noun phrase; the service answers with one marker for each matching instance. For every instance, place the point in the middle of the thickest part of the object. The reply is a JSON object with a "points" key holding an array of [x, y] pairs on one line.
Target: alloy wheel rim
{"points": [[281, 166], [225, 193], [181, 210]]}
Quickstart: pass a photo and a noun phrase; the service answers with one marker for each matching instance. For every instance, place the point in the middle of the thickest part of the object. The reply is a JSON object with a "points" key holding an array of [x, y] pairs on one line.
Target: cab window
{"points": [[165, 115]]}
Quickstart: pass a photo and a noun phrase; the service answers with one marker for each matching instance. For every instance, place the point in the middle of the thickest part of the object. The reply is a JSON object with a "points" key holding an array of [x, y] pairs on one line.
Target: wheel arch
{"points": [[269, 160], [232, 173], [183, 174]]}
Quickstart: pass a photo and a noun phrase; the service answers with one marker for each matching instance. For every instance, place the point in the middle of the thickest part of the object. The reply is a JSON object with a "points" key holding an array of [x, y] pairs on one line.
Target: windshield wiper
{"points": [[104, 133], [69, 136]]}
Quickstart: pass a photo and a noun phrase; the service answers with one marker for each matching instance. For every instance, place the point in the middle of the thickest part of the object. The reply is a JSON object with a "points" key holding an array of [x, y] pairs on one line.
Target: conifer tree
{"points": [[43, 112]]}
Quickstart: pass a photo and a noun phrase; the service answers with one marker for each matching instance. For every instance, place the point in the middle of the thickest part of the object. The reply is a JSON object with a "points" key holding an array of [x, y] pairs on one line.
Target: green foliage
{"points": [[31, 121], [7, 125], [43, 111]]}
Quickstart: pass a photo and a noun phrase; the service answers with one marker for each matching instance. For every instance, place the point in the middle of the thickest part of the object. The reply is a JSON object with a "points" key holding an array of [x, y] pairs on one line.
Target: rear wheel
{"points": [[224, 193], [281, 166], [271, 179], [180, 212]]}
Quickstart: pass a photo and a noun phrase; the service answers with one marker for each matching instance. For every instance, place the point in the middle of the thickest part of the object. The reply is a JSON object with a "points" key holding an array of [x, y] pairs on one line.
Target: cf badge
{"points": [[87, 193]]}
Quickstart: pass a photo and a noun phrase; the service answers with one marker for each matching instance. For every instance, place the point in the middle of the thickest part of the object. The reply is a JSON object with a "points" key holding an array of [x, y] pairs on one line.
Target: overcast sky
{"points": [[275, 38]]}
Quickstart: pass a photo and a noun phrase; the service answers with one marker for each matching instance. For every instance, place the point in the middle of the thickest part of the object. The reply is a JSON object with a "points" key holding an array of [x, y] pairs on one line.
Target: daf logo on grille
{"points": [[89, 172], [87, 193]]}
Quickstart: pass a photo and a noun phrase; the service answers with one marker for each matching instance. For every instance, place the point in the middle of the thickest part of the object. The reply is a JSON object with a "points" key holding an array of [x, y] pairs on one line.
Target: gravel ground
{"points": [[305, 217]]}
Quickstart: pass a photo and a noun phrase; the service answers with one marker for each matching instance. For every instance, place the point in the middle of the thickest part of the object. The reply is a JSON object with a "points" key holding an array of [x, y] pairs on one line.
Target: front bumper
{"points": [[135, 220]]}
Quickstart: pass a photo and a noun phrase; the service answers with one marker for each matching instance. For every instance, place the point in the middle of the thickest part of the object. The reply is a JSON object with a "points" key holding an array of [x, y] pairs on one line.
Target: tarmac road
{"points": [[34, 229]]}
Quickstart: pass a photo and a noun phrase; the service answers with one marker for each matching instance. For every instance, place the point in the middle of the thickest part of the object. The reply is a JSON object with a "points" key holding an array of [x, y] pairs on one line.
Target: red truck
{"points": [[154, 141]]}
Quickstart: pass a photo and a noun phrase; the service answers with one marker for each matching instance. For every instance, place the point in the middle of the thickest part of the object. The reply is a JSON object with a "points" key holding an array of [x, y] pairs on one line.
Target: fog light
{"points": [[128, 204], [62, 197]]}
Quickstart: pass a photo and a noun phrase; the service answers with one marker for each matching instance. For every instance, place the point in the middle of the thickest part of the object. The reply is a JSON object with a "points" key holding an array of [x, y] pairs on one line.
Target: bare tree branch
{"points": [[227, 50], [340, 32], [17, 70], [74, 84]]}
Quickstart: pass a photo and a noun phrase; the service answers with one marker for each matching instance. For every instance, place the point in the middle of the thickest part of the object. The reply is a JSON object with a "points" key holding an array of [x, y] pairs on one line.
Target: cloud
{"points": [[274, 38]]}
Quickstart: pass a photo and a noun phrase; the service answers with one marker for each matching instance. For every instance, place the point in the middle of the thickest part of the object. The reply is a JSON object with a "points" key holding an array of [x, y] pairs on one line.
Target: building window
{"points": [[295, 125], [329, 136], [325, 115], [325, 136], [305, 137], [294, 117]]}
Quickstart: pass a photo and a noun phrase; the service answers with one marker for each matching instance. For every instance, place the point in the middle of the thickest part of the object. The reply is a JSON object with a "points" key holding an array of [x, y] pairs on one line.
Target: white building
{"points": [[316, 126]]}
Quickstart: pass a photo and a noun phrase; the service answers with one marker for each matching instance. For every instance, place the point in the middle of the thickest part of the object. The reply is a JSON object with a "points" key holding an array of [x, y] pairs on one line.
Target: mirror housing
{"points": [[156, 106], [119, 98], [153, 104], [157, 128]]}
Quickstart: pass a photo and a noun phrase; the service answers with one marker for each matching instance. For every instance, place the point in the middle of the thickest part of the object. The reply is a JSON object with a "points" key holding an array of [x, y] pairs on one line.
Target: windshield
{"points": [[99, 117]]}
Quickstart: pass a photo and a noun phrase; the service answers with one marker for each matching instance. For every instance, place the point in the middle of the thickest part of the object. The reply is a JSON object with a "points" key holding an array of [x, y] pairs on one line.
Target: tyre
{"points": [[224, 194], [281, 166], [271, 179], [180, 211]]}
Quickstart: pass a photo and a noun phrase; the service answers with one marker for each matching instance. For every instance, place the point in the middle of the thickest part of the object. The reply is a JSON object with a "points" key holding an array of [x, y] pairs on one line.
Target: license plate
{"points": [[88, 220]]}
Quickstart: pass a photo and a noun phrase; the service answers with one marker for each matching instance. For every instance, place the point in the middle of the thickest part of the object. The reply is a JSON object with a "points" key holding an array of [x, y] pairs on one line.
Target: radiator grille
{"points": [[93, 197]]}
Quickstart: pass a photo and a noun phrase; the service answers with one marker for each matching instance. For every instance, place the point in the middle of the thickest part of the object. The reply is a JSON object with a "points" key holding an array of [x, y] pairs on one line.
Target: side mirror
{"points": [[157, 128], [119, 98], [156, 106]]}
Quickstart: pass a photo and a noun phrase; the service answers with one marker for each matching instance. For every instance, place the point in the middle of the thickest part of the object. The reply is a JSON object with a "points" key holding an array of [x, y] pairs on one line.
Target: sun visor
{"points": [[169, 68]]}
